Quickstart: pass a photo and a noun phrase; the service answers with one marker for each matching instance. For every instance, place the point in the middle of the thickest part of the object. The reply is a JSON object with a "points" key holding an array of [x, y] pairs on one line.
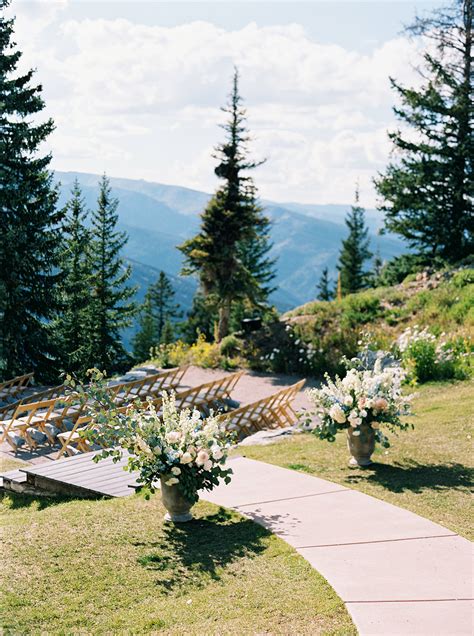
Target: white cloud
{"points": [[143, 101]]}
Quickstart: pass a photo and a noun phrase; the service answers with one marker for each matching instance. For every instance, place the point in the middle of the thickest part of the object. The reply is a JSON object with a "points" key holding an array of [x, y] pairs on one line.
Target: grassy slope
{"points": [[112, 566], [386, 311], [427, 470]]}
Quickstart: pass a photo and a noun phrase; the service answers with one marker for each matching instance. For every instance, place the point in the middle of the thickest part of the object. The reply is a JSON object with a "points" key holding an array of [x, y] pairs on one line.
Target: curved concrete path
{"points": [[397, 573]]}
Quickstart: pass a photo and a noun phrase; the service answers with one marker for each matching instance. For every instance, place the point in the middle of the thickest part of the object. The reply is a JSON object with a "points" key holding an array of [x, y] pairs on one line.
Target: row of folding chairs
{"points": [[10, 389], [214, 395], [33, 423], [274, 411]]}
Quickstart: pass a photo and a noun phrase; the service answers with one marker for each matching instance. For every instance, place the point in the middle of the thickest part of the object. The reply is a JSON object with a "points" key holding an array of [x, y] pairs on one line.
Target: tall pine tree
{"points": [[73, 325], [232, 226], [165, 309], [355, 251], [112, 309], [146, 336], [29, 221], [427, 193]]}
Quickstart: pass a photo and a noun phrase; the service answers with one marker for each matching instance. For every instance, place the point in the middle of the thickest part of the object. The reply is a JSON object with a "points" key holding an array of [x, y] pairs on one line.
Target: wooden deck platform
{"points": [[77, 476]]}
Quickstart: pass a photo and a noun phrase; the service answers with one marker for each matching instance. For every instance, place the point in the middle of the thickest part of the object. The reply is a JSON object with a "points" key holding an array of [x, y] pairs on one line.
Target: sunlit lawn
{"points": [[113, 567], [428, 470]]}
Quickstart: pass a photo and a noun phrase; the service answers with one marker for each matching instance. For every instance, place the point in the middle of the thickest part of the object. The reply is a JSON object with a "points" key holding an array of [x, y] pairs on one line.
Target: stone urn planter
{"points": [[361, 446], [178, 507]]}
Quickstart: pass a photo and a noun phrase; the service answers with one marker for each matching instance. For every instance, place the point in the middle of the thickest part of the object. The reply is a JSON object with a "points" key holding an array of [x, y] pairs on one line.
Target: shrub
{"points": [[230, 345]]}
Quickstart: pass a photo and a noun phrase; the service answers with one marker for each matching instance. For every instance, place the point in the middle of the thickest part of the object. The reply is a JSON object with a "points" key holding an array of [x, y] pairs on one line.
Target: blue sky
{"points": [[135, 87]]}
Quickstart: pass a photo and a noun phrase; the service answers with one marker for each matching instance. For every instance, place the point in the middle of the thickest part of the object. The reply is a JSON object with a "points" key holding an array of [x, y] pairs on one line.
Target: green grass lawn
{"points": [[113, 567], [428, 470]]}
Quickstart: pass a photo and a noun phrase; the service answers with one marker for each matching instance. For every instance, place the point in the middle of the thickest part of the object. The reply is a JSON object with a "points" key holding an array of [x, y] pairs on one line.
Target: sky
{"points": [[135, 88]]}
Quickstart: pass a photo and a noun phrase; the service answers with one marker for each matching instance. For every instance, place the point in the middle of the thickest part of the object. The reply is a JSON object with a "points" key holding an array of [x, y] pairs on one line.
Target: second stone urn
{"points": [[361, 445], [178, 507]]}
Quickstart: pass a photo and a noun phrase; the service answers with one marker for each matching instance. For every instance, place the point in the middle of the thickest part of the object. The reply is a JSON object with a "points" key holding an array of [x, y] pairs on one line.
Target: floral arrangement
{"points": [[180, 446], [364, 397]]}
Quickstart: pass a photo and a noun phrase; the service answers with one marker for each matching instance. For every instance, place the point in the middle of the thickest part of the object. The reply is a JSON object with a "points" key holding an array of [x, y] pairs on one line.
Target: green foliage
{"points": [[72, 325], [427, 193], [112, 309], [320, 333], [229, 345], [201, 353], [354, 252], [323, 287], [154, 321], [230, 251], [29, 222]]}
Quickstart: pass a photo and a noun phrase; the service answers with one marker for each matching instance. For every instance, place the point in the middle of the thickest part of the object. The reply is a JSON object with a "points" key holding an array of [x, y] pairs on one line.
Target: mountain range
{"points": [[157, 218]]}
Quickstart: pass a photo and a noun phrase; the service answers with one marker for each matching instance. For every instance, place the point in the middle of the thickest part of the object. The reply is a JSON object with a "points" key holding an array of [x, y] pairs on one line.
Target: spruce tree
{"points": [[355, 251], [112, 309], [427, 192], [167, 337], [146, 336], [164, 307], [231, 225], [324, 291], [29, 221], [72, 326]]}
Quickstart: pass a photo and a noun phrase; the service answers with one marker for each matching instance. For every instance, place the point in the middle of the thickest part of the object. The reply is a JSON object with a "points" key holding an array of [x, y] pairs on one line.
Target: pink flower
{"points": [[202, 458], [380, 404]]}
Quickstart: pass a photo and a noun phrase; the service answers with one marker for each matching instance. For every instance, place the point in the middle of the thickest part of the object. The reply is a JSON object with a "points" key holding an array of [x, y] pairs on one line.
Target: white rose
{"points": [[176, 471], [216, 452], [208, 465], [348, 400], [202, 458], [363, 413], [172, 437], [186, 458], [337, 414]]}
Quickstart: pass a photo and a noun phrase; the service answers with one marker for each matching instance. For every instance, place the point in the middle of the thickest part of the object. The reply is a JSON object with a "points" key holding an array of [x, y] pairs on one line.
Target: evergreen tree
{"points": [[112, 309], [232, 226], [146, 336], [201, 318], [72, 326], [164, 307], [29, 221], [167, 337], [355, 251], [427, 194], [324, 291]]}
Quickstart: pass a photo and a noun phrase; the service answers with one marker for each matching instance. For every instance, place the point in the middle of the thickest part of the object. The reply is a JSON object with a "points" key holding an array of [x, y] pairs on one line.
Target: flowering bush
{"points": [[361, 398], [427, 357], [201, 353], [179, 445]]}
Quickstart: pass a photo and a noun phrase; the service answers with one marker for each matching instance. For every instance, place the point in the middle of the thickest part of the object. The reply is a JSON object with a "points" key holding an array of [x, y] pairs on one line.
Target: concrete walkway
{"points": [[397, 573]]}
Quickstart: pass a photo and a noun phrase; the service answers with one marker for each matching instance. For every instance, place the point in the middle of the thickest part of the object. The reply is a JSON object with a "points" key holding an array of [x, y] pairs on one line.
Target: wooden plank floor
{"points": [[81, 473]]}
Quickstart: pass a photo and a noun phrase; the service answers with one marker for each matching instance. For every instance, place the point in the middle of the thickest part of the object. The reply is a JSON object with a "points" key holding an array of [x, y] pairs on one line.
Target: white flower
{"points": [[348, 400], [202, 458], [208, 465], [337, 414], [171, 481], [216, 452], [356, 433], [186, 458], [176, 471], [173, 436], [363, 413]]}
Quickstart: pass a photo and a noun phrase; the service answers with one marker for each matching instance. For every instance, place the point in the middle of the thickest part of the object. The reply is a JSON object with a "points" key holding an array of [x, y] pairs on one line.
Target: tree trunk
{"points": [[224, 318]]}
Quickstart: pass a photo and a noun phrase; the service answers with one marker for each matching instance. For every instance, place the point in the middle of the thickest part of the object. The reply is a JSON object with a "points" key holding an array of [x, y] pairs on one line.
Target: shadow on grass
{"points": [[196, 552], [17, 501], [415, 477]]}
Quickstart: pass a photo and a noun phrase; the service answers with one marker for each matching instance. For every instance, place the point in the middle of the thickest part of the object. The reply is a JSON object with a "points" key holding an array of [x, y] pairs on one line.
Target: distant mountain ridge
{"points": [[158, 217]]}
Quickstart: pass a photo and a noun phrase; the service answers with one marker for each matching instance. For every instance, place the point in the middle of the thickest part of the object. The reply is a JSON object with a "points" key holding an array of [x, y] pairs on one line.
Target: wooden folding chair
{"points": [[11, 388], [27, 424], [72, 442], [209, 393], [274, 411]]}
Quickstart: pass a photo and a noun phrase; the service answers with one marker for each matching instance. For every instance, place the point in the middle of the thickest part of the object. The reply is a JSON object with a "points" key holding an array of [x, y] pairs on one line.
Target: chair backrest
{"points": [[208, 392], [16, 384], [274, 411]]}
